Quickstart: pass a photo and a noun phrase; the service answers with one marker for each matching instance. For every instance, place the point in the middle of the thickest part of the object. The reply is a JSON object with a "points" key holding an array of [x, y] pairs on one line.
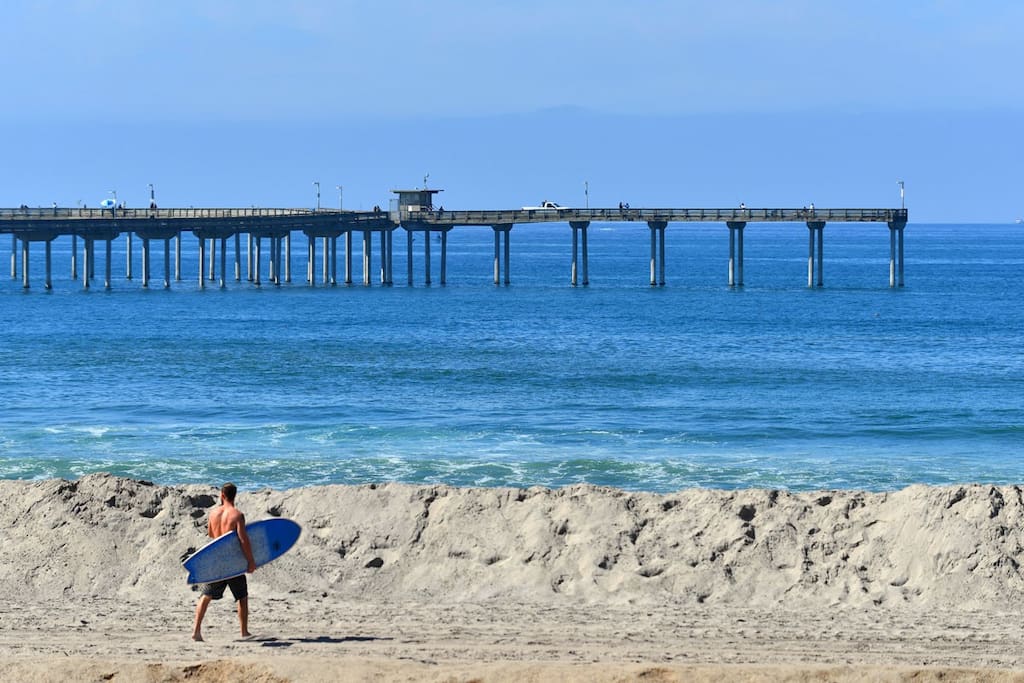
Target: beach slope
{"points": [[586, 583]]}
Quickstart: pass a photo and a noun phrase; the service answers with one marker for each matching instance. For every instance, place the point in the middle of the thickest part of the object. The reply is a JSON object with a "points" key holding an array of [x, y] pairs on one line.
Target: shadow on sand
{"points": [[270, 641]]}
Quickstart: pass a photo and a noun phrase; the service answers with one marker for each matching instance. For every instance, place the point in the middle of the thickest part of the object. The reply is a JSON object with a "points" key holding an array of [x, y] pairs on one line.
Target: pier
{"points": [[246, 231]]}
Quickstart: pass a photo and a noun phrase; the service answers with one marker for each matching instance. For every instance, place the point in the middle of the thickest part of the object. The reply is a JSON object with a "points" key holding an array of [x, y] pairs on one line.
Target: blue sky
{"points": [[503, 103]]}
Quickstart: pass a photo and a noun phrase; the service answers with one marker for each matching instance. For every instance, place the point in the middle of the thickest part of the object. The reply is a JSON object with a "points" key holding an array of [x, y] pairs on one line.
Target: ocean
{"points": [[852, 385]]}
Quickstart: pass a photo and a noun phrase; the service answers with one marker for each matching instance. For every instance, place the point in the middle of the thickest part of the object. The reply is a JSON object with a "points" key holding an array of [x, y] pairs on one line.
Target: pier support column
{"points": [[238, 257], [348, 257], [256, 260], [575, 251], [279, 259], [391, 255], [14, 258], [74, 257], [444, 256], [272, 269], [24, 264], [896, 253], [223, 261], [324, 268], [383, 257], [202, 263], [408, 256], [288, 257], [107, 264], [500, 230], [334, 261], [145, 262], [367, 254], [87, 254], [177, 257], [426, 258], [213, 260], [49, 266], [167, 263], [579, 238], [311, 261], [819, 228], [127, 257], [248, 256], [657, 252], [736, 252]]}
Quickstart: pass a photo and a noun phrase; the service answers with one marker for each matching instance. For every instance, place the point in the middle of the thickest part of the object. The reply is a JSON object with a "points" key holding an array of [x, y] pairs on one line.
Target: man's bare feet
{"points": [[198, 637]]}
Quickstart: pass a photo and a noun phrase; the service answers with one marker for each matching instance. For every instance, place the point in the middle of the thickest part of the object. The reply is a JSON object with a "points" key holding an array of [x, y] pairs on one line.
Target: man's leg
{"points": [[197, 633], [243, 616]]}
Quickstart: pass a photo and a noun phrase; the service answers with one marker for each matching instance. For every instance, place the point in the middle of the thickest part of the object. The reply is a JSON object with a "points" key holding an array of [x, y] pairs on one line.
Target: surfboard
{"points": [[222, 558]]}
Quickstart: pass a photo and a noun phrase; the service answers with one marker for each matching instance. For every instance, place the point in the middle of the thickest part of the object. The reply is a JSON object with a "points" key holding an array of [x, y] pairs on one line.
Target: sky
{"points": [[502, 104]]}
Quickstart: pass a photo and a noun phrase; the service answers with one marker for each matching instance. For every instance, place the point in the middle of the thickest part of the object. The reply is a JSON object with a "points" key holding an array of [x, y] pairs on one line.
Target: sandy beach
{"points": [[399, 582]]}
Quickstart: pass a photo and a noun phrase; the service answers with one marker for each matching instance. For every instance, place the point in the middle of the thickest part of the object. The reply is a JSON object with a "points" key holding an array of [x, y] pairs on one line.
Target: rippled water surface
{"points": [[692, 384]]}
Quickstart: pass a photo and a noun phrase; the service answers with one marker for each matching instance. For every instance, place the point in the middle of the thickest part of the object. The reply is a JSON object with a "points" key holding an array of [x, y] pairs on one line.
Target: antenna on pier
{"points": [[425, 176]]}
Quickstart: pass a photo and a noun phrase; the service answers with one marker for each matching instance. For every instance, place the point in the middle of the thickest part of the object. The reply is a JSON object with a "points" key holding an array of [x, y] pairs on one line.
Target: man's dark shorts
{"points": [[238, 585]]}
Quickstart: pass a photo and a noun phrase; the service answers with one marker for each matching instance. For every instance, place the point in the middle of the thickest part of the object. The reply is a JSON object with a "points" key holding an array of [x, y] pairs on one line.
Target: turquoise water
{"points": [[853, 385]]}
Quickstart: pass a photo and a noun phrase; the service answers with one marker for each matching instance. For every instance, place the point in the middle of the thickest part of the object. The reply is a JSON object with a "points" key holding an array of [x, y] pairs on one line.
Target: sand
{"points": [[398, 582]]}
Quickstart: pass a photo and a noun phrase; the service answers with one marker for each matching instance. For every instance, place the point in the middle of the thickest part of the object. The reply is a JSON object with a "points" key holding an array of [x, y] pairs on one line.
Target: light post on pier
{"points": [[317, 184], [586, 192], [339, 196], [902, 203], [152, 196]]}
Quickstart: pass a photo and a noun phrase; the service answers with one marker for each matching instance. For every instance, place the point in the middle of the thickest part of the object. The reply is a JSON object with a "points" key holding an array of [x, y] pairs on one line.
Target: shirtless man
{"points": [[225, 519]]}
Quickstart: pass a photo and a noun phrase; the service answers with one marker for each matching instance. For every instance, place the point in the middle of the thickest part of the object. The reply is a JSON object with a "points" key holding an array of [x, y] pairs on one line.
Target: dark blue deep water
{"points": [[852, 385]]}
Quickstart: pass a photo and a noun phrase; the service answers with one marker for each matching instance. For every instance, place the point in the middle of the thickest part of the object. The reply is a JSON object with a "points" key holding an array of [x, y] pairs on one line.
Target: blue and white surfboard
{"points": [[222, 558]]}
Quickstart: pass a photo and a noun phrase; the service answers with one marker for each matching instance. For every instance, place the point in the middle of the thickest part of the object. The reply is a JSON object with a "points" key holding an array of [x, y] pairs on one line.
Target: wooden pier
{"points": [[413, 211]]}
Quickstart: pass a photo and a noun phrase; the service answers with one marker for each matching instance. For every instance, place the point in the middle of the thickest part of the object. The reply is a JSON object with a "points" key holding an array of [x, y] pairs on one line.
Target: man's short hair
{"points": [[229, 490]]}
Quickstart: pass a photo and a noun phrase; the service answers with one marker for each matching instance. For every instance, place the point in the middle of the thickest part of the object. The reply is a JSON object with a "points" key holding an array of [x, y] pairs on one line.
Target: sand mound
{"points": [[921, 546]]}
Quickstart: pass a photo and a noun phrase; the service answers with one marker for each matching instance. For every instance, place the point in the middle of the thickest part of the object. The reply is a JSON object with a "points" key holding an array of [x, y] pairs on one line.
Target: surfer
{"points": [[223, 520]]}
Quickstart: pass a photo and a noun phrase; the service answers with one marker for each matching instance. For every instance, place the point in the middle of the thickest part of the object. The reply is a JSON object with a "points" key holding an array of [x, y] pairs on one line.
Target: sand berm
{"points": [[434, 582]]}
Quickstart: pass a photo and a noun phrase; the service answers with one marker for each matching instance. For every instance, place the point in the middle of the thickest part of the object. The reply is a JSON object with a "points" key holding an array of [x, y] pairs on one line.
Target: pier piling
{"points": [[127, 256], [657, 229], [87, 255], [107, 263], [579, 239], [167, 262], [24, 264], [49, 266], [816, 231], [736, 252]]}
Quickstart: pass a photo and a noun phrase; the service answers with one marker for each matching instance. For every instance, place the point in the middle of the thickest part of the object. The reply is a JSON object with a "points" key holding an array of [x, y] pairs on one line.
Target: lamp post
{"points": [[586, 192], [902, 203], [317, 184], [339, 196], [152, 197]]}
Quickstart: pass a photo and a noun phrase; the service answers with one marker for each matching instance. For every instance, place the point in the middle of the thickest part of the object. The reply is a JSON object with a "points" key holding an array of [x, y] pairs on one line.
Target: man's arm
{"points": [[243, 539]]}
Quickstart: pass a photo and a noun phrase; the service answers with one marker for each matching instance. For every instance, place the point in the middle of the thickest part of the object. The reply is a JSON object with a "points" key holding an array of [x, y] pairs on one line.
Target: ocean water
{"points": [[853, 385]]}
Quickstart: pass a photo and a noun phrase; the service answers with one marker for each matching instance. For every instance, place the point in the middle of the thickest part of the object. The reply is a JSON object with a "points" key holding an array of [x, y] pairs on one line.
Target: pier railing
{"points": [[471, 217], [795, 215], [37, 213]]}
